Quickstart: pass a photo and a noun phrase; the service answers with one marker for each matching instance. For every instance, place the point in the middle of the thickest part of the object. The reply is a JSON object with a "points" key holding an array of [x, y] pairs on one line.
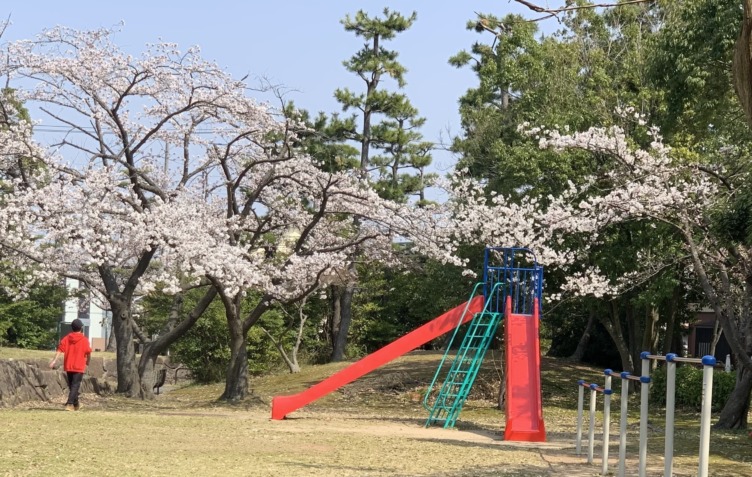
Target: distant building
{"points": [[97, 322], [701, 337]]}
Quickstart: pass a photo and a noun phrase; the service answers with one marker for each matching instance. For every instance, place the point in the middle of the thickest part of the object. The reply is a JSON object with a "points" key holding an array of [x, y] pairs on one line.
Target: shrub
{"points": [[31, 323], [689, 387], [205, 349]]}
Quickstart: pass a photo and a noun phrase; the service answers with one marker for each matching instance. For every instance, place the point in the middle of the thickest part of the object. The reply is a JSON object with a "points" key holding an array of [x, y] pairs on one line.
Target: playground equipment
{"points": [[283, 405], [625, 378], [512, 282], [671, 359], [594, 388], [512, 285]]}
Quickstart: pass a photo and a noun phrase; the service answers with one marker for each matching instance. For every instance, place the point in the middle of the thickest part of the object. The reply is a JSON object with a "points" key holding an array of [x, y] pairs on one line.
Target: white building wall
{"points": [[96, 321], [98, 318], [71, 304]]}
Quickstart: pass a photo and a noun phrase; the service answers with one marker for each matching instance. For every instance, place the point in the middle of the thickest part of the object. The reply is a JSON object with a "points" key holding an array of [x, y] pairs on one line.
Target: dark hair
{"points": [[77, 325]]}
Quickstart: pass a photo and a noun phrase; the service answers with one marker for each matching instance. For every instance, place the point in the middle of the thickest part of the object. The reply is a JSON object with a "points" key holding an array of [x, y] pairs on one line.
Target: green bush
{"points": [[205, 349], [31, 323], [689, 387]]}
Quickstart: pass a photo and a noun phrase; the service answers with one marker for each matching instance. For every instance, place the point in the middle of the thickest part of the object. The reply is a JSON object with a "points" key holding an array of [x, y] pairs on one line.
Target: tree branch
{"points": [[552, 12]]}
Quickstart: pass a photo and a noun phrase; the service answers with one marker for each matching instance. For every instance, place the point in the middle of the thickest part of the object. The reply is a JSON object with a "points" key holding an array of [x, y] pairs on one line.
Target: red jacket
{"points": [[76, 348]]}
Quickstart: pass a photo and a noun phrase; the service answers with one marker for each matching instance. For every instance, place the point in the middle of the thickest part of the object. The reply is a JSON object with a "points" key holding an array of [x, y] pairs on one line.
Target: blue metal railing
{"points": [[521, 277]]}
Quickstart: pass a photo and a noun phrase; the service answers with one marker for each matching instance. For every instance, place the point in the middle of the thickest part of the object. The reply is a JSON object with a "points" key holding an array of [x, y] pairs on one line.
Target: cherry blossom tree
{"points": [[130, 152], [163, 174], [654, 185], [288, 228]]}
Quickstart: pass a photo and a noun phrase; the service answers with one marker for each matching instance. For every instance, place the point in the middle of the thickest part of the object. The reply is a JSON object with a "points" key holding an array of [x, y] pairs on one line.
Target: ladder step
{"points": [[464, 369]]}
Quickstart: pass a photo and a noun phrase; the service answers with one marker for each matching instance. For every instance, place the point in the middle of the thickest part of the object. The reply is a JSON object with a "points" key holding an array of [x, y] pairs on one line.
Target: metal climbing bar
{"points": [[464, 368], [436, 375], [594, 388]]}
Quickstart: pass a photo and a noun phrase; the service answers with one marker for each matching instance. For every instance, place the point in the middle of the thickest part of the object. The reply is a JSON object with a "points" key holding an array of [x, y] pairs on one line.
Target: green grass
{"points": [[372, 427]]}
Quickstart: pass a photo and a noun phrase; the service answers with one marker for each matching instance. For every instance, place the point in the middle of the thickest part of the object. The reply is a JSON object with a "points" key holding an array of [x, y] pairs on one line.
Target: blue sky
{"points": [[296, 43]]}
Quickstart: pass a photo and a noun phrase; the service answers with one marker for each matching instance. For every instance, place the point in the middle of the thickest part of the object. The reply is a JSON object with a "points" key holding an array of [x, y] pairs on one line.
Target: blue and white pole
{"points": [[606, 421], [644, 395], [671, 359], [591, 431], [623, 423], [580, 404], [708, 363]]}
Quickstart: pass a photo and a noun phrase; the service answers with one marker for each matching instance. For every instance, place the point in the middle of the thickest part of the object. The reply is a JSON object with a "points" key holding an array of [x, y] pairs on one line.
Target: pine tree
{"points": [[389, 123]]}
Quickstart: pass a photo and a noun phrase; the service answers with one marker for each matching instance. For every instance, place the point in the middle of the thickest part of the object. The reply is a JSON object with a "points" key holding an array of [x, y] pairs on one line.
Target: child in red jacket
{"points": [[75, 347]]}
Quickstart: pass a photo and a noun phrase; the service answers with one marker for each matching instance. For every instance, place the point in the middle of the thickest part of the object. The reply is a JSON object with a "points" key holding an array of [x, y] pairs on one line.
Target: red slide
{"points": [[283, 405], [524, 407]]}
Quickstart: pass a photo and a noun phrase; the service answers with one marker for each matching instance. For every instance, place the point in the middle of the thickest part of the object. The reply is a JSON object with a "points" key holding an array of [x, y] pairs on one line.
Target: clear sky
{"points": [[296, 43]]}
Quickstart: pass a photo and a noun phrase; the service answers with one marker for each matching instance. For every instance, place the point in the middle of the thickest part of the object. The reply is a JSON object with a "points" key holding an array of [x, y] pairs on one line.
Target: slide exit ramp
{"points": [[523, 403], [283, 405]]}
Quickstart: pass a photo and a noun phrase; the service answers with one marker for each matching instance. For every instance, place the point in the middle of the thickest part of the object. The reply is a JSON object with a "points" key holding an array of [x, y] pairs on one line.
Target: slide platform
{"points": [[524, 407], [283, 405]]}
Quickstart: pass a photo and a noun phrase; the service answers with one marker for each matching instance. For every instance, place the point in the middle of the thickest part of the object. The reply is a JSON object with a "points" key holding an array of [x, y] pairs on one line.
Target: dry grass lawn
{"points": [[373, 427]]}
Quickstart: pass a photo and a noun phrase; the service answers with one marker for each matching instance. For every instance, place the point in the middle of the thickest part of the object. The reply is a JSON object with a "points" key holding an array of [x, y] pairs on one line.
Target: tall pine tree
{"points": [[389, 123]]}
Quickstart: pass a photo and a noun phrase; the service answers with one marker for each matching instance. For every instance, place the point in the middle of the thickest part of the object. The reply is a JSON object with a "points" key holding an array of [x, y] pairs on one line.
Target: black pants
{"points": [[74, 383]]}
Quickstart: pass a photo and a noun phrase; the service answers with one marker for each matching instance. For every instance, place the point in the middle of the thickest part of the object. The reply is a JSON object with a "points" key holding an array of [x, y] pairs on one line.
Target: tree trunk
{"points": [[734, 413], [365, 143], [177, 325], [127, 371], [742, 63], [634, 338], [613, 325], [294, 366], [584, 339], [147, 376], [236, 383], [737, 332], [336, 317], [649, 334], [111, 346], [290, 360], [236, 380], [669, 341], [717, 333], [502, 397], [502, 392], [340, 338], [504, 100], [123, 326], [111, 341]]}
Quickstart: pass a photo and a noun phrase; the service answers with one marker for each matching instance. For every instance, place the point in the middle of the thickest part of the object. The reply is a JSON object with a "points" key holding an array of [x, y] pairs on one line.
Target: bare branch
{"points": [[553, 12]]}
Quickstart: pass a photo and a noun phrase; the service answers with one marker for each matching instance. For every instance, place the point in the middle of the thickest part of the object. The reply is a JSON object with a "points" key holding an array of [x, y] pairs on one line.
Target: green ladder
{"points": [[464, 369]]}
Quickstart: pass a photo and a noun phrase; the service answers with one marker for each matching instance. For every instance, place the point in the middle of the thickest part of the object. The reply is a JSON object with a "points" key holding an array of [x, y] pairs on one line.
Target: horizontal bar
{"points": [[490, 267], [622, 375], [593, 387], [688, 360], [671, 357]]}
